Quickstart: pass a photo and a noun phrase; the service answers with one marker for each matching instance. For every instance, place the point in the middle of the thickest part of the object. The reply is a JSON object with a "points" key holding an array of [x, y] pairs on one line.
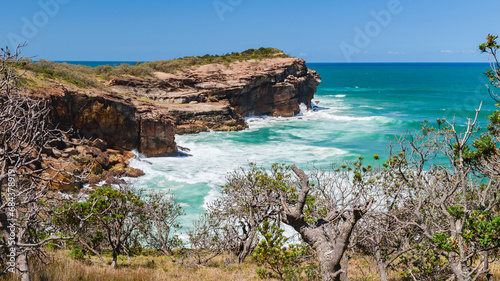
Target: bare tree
{"points": [[243, 207], [26, 203], [323, 208], [207, 239], [158, 231], [386, 234], [453, 201], [340, 200]]}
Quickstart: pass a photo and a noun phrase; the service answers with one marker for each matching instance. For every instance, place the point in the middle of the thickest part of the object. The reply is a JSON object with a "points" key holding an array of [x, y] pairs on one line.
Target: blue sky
{"points": [[317, 30]]}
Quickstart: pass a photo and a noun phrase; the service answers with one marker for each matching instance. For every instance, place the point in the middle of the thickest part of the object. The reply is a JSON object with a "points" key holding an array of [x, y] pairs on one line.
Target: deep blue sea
{"points": [[365, 105]]}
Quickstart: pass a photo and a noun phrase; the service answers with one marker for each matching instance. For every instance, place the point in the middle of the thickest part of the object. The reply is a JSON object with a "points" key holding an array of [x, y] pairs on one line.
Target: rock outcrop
{"points": [[79, 161], [124, 123], [146, 113], [273, 87]]}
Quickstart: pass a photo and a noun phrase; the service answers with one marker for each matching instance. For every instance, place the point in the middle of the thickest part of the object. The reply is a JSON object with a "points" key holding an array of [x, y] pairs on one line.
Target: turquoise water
{"points": [[366, 104]]}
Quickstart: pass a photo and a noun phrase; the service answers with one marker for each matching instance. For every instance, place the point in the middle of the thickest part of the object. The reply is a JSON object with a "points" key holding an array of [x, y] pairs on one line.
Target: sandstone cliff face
{"points": [[122, 122], [278, 93]]}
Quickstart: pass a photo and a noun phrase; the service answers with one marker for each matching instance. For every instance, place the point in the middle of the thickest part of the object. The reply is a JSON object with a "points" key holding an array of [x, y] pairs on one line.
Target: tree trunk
{"points": [[23, 267], [115, 259], [92, 250], [456, 266], [329, 256], [382, 270], [246, 247], [345, 263], [330, 269], [457, 271], [127, 252], [329, 252], [489, 276]]}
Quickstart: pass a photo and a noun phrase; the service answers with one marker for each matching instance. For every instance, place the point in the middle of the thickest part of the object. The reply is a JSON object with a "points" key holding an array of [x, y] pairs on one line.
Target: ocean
{"points": [[362, 107]]}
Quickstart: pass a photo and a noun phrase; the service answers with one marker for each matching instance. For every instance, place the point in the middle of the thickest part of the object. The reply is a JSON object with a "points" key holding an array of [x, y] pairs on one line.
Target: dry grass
{"points": [[89, 77], [161, 268], [139, 268], [365, 269]]}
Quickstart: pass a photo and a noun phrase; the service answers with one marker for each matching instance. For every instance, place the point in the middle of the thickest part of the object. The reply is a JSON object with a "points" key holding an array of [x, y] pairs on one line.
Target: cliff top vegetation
{"points": [[85, 76]]}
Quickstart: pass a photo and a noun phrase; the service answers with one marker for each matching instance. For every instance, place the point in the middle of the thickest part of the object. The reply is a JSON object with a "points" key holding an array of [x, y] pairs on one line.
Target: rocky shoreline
{"points": [[145, 113]]}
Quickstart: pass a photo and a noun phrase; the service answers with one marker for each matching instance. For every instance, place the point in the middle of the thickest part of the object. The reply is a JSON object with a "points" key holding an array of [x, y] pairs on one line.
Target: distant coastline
{"points": [[116, 63]]}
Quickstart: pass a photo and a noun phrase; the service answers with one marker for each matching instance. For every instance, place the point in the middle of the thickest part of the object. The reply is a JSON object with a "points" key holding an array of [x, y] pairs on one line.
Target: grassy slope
{"points": [[87, 77]]}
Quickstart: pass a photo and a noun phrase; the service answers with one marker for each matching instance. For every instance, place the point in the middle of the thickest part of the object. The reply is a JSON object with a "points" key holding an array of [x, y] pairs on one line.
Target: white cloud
{"points": [[394, 53], [303, 55], [457, 51]]}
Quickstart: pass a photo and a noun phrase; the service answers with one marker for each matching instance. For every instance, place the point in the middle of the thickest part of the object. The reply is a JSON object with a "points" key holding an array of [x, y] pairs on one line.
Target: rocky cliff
{"points": [[122, 122], [273, 87], [145, 113], [127, 112]]}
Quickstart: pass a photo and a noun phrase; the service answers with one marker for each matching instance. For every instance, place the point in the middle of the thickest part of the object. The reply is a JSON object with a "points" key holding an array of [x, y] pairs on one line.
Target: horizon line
{"points": [[142, 61]]}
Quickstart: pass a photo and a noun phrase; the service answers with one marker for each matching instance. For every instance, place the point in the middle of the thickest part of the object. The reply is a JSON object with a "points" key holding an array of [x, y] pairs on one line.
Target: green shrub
{"points": [[85, 76], [77, 254], [180, 64], [79, 75], [279, 261]]}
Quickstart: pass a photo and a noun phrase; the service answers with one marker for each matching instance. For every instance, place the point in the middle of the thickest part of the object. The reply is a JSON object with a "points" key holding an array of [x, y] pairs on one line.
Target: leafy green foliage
{"points": [[481, 149], [257, 184], [424, 263], [456, 199], [278, 260], [159, 229], [111, 204], [483, 227], [490, 43], [78, 254], [114, 218], [494, 126], [491, 47], [249, 198]]}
